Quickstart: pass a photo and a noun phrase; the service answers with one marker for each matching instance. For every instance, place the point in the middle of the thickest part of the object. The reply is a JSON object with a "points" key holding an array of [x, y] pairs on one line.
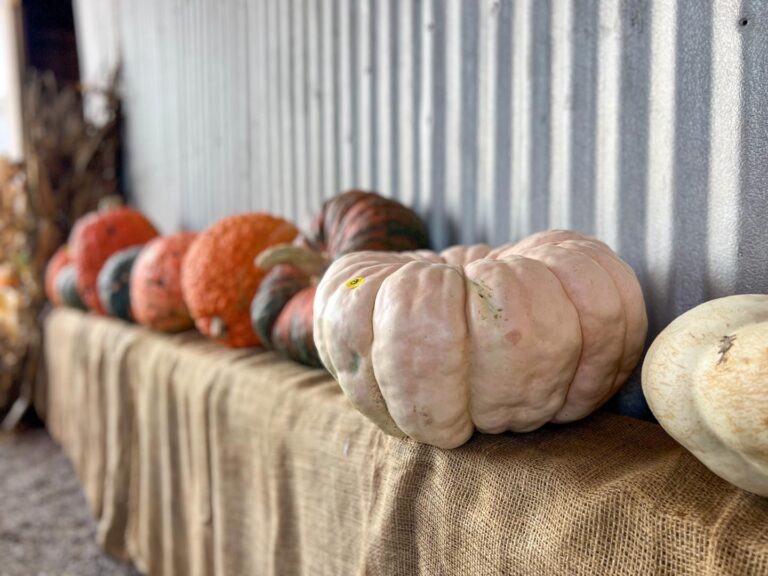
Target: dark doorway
{"points": [[49, 30]]}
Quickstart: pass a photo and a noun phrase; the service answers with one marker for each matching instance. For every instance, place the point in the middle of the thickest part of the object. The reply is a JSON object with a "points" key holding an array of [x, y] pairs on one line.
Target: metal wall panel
{"points": [[642, 122]]}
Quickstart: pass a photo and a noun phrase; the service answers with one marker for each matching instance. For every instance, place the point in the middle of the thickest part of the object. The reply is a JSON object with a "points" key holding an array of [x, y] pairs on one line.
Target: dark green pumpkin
{"points": [[281, 311], [66, 287], [114, 283]]}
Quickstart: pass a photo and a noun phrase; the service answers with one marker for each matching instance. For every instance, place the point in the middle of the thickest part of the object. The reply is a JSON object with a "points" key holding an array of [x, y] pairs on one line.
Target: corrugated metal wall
{"points": [[644, 123]]}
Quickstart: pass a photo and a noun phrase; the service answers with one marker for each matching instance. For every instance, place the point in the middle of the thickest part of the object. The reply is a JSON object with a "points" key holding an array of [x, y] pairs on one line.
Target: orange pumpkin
{"points": [[59, 259], [156, 298], [219, 280], [98, 235]]}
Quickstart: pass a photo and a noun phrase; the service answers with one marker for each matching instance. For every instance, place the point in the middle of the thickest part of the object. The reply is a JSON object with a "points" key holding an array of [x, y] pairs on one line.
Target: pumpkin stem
{"points": [[110, 202], [308, 261], [218, 328]]}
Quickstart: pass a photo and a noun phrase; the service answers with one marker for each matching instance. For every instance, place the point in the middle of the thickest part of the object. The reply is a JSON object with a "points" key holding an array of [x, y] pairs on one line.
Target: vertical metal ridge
{"points": [[344, 97], [487, 137], [725, 148], [753, 202], [272, 106], [433, 125], [385, 107], [499, 219], [316, 98], [363, 73], [661, 157], [468, 126], [522, 66], [633, 132], [584, 118], [313, 56], [560, 113], [286, 59], [299, 118], [452, 218], [330, 119], [607, 142], [255, 99], [692, 104], [263, 189], [539, 154], [426, 110], [407, 144]]}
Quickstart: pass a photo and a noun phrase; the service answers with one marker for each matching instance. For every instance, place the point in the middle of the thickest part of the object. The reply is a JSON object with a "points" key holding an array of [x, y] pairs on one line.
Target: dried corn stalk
{"points": [[70, 165]]}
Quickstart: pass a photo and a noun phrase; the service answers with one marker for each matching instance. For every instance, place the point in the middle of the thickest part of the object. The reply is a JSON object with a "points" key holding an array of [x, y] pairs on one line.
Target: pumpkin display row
{"points": [[434, 346]]}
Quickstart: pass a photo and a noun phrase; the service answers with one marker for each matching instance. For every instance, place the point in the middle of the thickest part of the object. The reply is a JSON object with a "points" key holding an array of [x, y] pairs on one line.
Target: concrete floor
{"points": [[45, 526]]}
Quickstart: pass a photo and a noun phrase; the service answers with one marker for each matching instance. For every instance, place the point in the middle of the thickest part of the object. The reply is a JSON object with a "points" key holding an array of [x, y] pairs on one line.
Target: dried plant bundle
{"points": [[70, 164]]}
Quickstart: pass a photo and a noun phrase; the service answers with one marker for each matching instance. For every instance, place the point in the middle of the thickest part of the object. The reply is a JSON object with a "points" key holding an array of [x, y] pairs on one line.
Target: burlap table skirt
{"points": [[200, 460]]}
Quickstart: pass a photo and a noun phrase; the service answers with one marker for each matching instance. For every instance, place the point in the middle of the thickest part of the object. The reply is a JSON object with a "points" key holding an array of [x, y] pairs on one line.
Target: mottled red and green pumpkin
{"points": [[156, 297], [219, 280], [98, 235], [66, 288], [57, 262], [114, 283], [353, 221]]}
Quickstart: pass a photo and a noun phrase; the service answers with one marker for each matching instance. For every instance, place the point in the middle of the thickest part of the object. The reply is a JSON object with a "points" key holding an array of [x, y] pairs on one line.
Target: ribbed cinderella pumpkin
{"points": [[350, 222], [219, 280], [706, 380], [156, 297], [98, 235], [57, 262], [114, 283], [509, 339]]}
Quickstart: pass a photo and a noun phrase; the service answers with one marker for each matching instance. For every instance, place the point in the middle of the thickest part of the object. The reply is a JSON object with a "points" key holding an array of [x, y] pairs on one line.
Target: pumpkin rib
{"points": [[373, 411], [615, 371], [624, 311], [416, 412], [579, 246], [537, 410], [631, 360]]}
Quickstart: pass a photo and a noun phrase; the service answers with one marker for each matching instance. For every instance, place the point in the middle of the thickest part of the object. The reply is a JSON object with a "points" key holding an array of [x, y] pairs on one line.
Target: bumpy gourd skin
{"points": [[433, 346], [219, 280], [706, 380]]}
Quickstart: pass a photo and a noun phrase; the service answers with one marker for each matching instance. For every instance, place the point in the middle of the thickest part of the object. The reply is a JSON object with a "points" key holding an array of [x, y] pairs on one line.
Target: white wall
{"points": [[644, 122]]}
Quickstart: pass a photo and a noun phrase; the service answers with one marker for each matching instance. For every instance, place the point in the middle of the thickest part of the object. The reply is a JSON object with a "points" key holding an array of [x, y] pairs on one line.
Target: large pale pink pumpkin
{"points": [[432, 346]]}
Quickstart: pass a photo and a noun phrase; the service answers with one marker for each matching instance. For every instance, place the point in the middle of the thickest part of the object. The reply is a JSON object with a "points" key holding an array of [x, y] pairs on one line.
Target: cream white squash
{"points": [[706, 380], [432, 346]]}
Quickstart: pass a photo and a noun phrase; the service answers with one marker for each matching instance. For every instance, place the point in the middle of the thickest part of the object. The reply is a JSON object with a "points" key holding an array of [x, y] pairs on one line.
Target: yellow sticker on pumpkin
{"points": [[355, 282]]}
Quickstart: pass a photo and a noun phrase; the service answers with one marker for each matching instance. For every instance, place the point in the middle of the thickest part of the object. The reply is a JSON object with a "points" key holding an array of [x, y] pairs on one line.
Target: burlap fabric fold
{"points": [[245, 464]]}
